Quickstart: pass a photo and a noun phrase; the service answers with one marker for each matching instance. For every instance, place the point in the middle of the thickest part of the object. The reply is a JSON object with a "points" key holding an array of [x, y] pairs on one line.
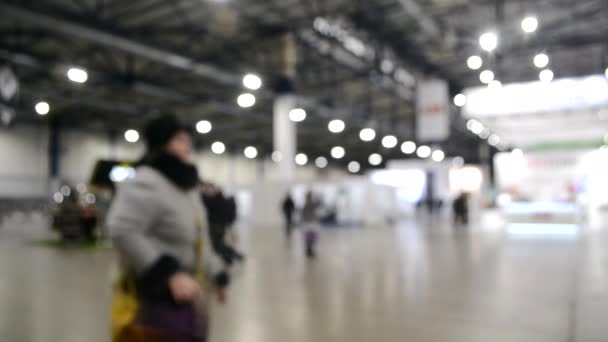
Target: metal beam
{"points": [[427, 24], [112, 40]]}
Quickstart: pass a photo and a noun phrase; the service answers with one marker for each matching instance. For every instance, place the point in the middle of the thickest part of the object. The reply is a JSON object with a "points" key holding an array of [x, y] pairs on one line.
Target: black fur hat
{"points": [[159, 131]]}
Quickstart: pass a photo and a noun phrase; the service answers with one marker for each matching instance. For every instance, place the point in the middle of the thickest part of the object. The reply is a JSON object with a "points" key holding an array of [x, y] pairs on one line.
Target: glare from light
{"points": [[488, 41], [546, 76], [606, 72], [338, 152], [494, 140], [423, 151], [65, 190], [250, 152], [367, 134], [321, 162], [203, 127], [458, 162], [251, 81], [375, 159], [297, 115], [474, 62], [132, 136], [218, 147], [495, 85], [389, 141], [120, 173], [58, 197], [277, 156], [354, 167], [246, 100], [529, 24], [78, 75], [460, 100], [301, 159], [438, 155], [336, 126], [486, 76], [42, 108], [541, 60], [408, 147], [517, 153]]}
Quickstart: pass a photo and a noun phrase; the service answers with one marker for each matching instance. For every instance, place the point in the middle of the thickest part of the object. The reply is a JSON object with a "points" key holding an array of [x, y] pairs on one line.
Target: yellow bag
{"points": [[124, 305]]}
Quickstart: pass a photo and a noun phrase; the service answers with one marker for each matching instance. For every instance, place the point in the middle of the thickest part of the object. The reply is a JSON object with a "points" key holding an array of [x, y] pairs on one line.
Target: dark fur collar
{"points": [[183, 175]]}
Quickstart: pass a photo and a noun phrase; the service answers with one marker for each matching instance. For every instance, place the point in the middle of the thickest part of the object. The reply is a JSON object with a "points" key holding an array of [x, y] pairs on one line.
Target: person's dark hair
{"points": [[160, 130]]}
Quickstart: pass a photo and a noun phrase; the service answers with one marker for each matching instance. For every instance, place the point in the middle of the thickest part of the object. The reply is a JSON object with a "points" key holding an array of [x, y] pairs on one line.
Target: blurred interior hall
{"points": [[303, 170]]}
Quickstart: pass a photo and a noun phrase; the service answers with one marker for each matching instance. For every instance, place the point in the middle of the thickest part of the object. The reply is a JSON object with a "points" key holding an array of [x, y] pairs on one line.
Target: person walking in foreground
{"points": [[311, 224], [158, 226], [222, 214]]}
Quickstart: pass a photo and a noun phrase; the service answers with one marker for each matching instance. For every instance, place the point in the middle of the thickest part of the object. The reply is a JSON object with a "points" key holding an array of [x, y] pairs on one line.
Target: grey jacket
{"points": [[151, 217]]}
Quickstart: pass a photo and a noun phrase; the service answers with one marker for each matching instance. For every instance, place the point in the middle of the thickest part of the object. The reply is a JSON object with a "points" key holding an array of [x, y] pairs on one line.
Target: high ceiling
{"points": [[357, 60]]}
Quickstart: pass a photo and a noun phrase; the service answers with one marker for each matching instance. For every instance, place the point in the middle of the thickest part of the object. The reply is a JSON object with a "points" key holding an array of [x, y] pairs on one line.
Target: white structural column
{"points": [[285, 135]]}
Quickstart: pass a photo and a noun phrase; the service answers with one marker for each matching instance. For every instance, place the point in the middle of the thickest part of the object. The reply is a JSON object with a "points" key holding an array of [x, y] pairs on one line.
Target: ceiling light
{"points": [[203, 127], [486, 76], [297, 115], [546, 75], [423, 151], [387, 66], [367, 134], [276, 156], [375, 159], [474, 62], [460, 100], [132, 136], [251, 81], [218, 147], [494, 140], [42, 108], [438, 155], [484, 134], [77, 75], [301, 159], [354, 167], [529, 24], [246, 100], [389, 141], [336, 126], [408, 147], [250, 152], [321, 162], [338, 152], [475, 126], [495, 84], [488, 41], [541, 60]]}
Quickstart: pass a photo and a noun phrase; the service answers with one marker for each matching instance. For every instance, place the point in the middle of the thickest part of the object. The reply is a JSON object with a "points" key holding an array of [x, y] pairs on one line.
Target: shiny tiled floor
{"points": [[419, 281]]}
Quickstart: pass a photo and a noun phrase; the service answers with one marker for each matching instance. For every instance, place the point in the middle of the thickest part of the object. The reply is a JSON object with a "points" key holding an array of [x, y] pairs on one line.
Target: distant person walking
{"points": [[310, 224], [288, 208], [461, 209], [158, 226]]}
